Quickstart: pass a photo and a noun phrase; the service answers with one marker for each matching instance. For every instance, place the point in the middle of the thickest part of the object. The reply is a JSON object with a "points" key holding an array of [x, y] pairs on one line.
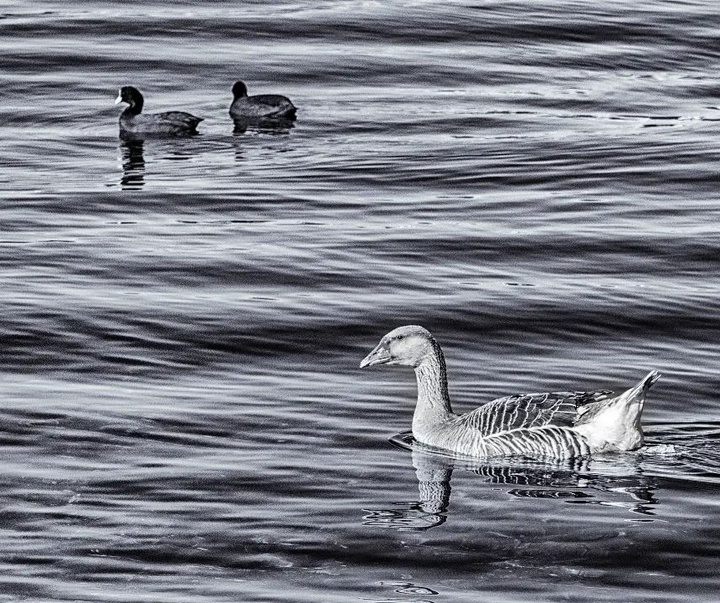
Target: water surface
{"points": [[182, 320]]}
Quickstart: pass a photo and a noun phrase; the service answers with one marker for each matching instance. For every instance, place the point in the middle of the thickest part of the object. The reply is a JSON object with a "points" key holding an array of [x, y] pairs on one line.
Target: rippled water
{"points": [[182, 320]]}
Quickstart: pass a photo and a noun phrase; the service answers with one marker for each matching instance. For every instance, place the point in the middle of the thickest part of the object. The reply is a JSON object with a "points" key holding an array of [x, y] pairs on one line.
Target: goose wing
{"points": [[558, 409]]}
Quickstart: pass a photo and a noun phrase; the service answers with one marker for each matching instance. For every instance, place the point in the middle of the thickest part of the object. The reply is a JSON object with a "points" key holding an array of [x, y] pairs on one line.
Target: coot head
{"points": [[131, 96], [239, 89]]}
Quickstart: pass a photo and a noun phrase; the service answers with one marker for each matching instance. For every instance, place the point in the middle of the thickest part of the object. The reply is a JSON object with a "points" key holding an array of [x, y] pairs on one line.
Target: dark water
{"points": [[182, 321]]}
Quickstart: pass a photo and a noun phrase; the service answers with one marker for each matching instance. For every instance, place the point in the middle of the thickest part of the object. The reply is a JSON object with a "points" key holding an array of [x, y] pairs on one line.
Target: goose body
{"points": [[259, 106], [133, 122], [556, 425]]}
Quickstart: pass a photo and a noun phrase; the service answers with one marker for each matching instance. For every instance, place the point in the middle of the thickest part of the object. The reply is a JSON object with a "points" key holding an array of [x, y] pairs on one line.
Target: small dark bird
{"points": [[260, 106], [135, 123]]}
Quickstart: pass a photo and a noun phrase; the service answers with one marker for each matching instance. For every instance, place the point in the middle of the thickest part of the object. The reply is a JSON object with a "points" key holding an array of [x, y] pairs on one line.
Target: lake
{"points": [[184, 418]]}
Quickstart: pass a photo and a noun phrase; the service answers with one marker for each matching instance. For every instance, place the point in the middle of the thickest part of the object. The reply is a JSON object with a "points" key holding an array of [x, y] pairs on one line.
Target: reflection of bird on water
{"points": [[133, 122], [433, 475], [568, 481], [275, 127], [133, 163], [543, 426]]}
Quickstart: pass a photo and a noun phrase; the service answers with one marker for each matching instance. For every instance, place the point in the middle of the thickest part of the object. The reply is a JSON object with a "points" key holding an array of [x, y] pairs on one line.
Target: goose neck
{"points": [[433, 395]]}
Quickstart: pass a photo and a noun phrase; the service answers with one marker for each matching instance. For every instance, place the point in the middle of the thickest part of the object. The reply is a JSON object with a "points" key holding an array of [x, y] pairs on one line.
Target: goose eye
{"points": [[400, 337]]}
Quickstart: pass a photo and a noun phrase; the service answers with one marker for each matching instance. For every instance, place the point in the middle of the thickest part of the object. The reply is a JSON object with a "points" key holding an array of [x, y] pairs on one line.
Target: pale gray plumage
{"points": [[552, 425]]}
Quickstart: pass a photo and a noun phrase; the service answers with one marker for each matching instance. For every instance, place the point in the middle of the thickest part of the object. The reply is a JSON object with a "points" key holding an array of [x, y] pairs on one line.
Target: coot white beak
{"points": [[119, 99], [380, 355]]}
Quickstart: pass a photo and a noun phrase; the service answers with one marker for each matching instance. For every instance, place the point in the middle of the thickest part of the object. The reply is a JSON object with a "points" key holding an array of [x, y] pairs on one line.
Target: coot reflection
{"points": [[133, 163]]}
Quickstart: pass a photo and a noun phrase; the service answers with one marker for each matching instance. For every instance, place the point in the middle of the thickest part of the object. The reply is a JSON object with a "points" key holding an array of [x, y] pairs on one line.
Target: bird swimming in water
{"points": [[559, 425], [260, 106], [133, 122]]}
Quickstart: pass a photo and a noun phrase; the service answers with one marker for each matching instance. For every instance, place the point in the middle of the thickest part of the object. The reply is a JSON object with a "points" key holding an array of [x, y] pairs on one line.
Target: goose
{"points": [[560, 425], [134, 122], [259, 106]]}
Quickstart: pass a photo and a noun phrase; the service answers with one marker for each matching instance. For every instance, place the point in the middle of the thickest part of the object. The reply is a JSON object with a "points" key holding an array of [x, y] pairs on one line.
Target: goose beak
{"points": [[119, 99], [380, 355]]}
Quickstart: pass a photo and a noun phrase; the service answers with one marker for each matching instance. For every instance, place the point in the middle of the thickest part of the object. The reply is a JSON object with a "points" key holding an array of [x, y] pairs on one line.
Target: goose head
{"points": [[405, 346]]}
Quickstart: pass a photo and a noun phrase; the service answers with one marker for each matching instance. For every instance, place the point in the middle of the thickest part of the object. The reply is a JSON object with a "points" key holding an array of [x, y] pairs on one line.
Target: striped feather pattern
{"points": [[530, 410], [537, 442]]}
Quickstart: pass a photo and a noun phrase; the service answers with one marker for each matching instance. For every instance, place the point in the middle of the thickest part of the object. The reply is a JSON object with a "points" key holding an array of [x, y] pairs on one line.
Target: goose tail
{"points": [[614, 425], [648, 382]]}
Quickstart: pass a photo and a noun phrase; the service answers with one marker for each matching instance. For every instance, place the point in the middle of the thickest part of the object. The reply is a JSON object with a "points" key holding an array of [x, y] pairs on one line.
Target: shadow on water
{"points": [[616, 482]]}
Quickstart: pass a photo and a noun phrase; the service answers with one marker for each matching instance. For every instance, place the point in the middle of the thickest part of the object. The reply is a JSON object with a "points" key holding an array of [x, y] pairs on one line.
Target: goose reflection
{"points": [[133, 163], [616, 482], [433, 474]]}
